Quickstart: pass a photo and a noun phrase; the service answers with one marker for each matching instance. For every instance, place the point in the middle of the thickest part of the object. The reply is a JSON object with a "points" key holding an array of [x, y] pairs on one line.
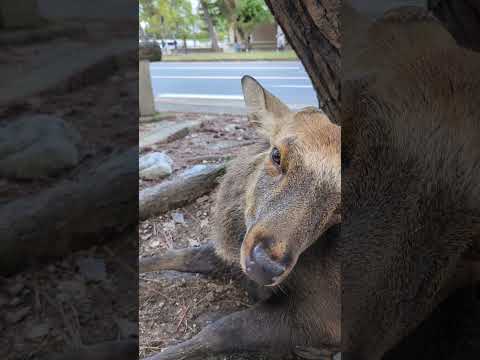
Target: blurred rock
{"points": [[178, 218], [38, 146], [16, 315], [155, 165], [127, 328], [36, 331], [93, 269], [16, 288], [71, 289], [3, 300]]}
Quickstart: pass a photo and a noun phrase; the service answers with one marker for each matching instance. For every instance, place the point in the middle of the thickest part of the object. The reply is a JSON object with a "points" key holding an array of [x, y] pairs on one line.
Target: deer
{"points": [[405, 264], [410, 191], [276, 217]]}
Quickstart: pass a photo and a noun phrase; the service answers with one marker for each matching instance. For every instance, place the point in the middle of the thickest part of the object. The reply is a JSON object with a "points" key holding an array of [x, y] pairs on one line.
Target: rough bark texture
{"points": [[312, 28], [72, 215], [184, 188], [462, 19]]}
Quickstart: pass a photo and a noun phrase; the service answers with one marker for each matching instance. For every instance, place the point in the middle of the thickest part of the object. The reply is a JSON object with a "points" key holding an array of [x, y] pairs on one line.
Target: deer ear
{"points": [[263, 109]]}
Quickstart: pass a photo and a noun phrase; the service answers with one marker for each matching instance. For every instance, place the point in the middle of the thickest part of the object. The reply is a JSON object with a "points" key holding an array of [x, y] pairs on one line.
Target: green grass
{"points": [[244, 56]]}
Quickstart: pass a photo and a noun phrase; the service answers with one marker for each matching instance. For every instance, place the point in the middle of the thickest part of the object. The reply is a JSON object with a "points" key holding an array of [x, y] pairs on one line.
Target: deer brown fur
{"points": [[411, 183], [291, 210], [410, 208]]}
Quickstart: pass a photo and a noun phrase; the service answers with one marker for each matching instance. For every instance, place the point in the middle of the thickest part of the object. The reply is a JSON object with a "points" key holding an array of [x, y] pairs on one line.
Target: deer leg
{"points": [[261, 329], [201, 259]]}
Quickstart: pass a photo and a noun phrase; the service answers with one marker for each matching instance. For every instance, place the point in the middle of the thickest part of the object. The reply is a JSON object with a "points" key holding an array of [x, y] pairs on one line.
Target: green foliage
{"points": [[216, 9], [175, 19], [251, 13], [167, 18]]}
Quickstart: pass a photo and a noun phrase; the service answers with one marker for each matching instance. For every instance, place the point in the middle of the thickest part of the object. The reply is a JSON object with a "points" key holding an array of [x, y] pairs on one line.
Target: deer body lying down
{"points": [[275, 218], [410, 204], [410, 191]]}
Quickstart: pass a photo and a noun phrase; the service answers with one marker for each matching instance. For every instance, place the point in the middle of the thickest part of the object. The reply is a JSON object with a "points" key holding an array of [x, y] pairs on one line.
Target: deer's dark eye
{"points": [[276, 156]]}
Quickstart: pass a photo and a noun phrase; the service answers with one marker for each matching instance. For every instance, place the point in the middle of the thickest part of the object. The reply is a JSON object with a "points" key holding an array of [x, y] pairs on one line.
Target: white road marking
{"points": [[200, 96], [230, 77], [165, 96], [293, 86], [225, 68]]}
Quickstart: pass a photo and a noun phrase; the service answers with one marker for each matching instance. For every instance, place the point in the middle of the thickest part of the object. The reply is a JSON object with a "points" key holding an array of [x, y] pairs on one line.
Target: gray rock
{"points": [[93, 269], [3, 300], [38, 146], [15, 301], [14, 316], [71, 289], [231, 128], [36, 331], [127, 328], [15, 288], [178, 217], [155, 165]]}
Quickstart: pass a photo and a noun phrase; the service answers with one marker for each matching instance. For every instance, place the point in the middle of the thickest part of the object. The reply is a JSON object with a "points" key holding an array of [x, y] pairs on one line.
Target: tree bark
{"points": [[76, 214], [312, 29], [211, 29], [462, 19]]}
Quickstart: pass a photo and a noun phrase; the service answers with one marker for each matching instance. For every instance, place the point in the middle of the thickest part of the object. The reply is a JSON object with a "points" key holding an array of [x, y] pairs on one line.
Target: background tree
{"points": [[167, 18], [211, 15], [249, 14]]}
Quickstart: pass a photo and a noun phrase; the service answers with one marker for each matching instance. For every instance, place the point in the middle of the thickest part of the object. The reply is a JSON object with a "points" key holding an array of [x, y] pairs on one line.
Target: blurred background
{"points": [[200, 49]]}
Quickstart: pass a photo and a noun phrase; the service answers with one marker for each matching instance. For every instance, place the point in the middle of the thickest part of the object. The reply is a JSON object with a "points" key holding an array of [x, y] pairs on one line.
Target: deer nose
{"points": [[261, 268]]}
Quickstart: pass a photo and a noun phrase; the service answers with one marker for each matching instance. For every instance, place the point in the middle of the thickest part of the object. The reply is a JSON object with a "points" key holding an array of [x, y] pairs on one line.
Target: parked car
{"points": [[149, 49]]}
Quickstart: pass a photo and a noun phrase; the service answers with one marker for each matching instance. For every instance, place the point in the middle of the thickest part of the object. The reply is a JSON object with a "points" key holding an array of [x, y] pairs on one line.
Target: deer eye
{"points": [[276, 156]]}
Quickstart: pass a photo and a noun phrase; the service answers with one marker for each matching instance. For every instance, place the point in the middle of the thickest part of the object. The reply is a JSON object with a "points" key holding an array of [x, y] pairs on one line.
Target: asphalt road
{"points": [[215, 86]]}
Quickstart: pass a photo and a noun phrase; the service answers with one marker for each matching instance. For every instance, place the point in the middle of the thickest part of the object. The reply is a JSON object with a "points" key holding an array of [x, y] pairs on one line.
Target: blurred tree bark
{"points": [[312, 28], [211, 29], [462, 19]]}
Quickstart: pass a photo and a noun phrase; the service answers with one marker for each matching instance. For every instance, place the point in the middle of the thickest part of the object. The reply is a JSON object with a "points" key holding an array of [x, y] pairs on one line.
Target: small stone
{"points": [[93, 269], [3, 300], [210, 297], [37, 331], [155, 165], [231, 128], [38, 146], [178, 217], [202, 199], [127, 328], [71, 289], [14, 316], [16, 288], [115, 78], [15, 301]]}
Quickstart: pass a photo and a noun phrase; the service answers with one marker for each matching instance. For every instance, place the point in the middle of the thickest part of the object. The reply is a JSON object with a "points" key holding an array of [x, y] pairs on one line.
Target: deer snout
{"points": [[262, 264]]}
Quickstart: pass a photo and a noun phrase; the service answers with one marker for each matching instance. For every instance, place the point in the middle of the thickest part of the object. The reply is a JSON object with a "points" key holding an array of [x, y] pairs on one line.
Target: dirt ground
{"points": [[75, 301], [175, 306]]}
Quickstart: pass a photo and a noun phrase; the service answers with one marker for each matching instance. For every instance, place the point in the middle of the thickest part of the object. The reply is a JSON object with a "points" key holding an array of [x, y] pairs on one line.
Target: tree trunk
{"points": [[211, 29], [312, 29], [462, 19]]}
